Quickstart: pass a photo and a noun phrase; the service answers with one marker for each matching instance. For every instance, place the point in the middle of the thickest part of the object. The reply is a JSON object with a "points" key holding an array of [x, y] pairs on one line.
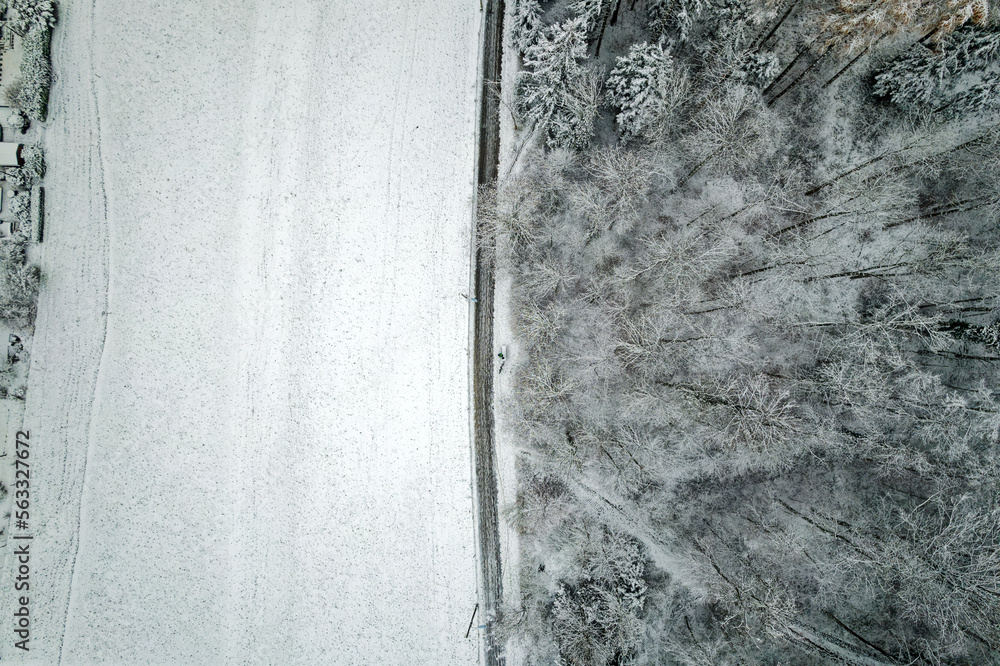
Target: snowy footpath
{"points": [[249, 390]]}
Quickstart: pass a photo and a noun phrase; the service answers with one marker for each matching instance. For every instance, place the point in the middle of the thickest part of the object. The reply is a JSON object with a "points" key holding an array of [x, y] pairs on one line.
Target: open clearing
{"points": [[249, 394]]}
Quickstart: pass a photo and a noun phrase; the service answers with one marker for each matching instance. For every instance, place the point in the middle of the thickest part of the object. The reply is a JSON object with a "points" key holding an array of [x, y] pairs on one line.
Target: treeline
{"points": [[28, 94], [757, 398], [33, 20]]}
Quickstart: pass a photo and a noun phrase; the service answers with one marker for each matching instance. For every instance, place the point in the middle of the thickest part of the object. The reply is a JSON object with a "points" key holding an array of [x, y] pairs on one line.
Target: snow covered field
{"points": [[249, 392]]}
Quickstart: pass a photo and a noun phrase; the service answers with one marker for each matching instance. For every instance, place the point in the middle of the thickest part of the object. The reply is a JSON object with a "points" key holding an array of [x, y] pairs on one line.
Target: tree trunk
{"points": [[989, 133], [923, 40], [697, 169], [614, 15], [840, 653], [604, 25], [860, 273], [989, 202], [857, 635], [817, 219], [958, 355], [798, 78], [701, 215], [758, 45], [964, 300], [767, 268], [873, 160], [741, 209], [788, 68]]}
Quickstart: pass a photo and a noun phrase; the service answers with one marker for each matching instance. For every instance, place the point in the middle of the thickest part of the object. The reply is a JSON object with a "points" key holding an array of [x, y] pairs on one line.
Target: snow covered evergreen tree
{"points": [[729, 21], [982, 96], [595, 616], [591, 11], [962, 76], [758, 69], [647, 86], [664, 14], [556, 90], [527, 23]]}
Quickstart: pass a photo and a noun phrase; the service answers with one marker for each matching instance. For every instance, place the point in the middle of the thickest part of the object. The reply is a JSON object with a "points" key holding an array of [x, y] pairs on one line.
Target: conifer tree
{"points": [[959, 76], [556, 91], [683, 13], [988, 334], [591, 11], [526, 24], [646, 85]]}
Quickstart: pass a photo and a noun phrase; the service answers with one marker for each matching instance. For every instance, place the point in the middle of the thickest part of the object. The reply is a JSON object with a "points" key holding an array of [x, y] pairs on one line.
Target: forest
{"points": [[755, 254]]}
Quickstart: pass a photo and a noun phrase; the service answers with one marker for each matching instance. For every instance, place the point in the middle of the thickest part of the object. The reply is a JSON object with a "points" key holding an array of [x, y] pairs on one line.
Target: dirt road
{"points": [[483, 353]]}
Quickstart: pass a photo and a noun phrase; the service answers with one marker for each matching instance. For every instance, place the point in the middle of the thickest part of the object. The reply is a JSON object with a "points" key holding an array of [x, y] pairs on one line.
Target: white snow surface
{"points": [[249, 389]]}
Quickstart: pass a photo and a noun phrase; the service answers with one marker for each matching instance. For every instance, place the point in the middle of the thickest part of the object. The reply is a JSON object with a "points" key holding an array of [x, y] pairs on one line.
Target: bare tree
{"points": [[859, 23], [733, 127]]}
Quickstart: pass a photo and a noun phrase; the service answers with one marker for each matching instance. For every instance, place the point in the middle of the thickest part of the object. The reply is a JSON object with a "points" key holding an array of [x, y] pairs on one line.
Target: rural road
{"points": [[483, 353]]}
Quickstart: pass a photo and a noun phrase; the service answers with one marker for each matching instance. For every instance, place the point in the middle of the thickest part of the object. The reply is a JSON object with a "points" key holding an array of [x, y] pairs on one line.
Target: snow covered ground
{"points": [[249, 394]]}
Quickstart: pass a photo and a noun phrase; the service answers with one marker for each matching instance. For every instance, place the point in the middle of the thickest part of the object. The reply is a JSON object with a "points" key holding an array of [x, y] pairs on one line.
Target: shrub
{"points": [[18, 285], [16, 120], [29, 15], [22, 178], [20, 209], [12, 93], [34, 161], [32, 97]]}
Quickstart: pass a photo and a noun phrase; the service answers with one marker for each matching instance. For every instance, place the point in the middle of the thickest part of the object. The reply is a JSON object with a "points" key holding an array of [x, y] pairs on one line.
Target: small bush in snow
{"points": [[18, 178], [12, 93], [20, 210], [22, 178], [16, 120]]}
